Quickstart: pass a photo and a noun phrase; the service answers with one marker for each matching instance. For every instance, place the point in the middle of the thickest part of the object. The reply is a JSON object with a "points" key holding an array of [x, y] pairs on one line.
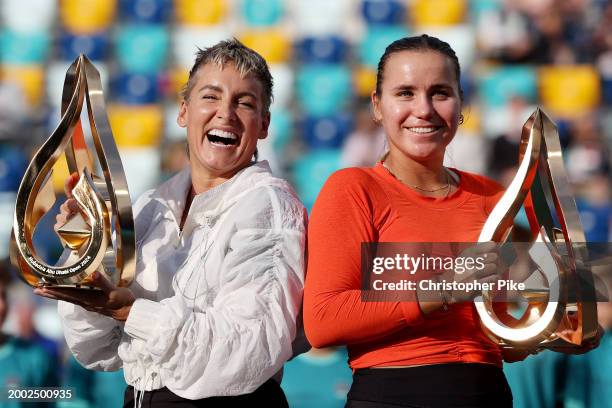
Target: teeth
{"points": [[422, 129], [222, 133]]}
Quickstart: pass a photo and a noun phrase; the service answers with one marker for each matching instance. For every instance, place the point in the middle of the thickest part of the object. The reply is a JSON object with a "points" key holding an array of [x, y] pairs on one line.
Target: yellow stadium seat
{"points": [[437, 12], [136, 125], [364, 81], [87, 16], [471, 120], [60, 174], [273, 45], [178, 79], [200, 12], [569, 91], [30, 78]]}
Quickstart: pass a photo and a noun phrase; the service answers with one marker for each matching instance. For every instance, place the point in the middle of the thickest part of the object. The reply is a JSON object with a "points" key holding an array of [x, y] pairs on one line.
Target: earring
{"points": [[461, 119]]}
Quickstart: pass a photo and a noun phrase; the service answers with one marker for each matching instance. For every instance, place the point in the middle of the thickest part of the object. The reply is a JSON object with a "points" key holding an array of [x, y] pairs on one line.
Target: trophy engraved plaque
{"points": [[100, 236], [559, 293]]}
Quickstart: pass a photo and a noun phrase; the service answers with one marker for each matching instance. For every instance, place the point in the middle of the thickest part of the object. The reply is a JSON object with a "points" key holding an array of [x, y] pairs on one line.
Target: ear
{"points": [[265, 124], [181, 119], [376, 107]]}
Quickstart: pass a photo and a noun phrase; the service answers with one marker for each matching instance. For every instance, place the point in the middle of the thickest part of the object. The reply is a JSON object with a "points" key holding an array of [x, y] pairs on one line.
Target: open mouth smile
{"points": [[423, 129], [222, 138]]}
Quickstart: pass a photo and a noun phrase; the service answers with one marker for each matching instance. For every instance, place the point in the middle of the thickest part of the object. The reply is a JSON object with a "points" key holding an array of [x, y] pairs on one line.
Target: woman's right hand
{"points": [[488, 255], [70, 207]]}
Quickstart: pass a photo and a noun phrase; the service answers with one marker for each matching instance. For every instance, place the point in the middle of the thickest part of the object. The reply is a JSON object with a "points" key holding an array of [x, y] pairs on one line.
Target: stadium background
{"points": [[514, 55]]}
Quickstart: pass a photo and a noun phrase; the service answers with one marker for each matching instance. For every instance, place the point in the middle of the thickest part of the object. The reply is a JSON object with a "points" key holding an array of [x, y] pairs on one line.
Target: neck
{"points": [[205, 180], [427, 175]]}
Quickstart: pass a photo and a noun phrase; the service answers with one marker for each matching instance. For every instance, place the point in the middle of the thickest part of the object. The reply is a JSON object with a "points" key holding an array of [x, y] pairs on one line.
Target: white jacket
{"points": [[217, 304]]}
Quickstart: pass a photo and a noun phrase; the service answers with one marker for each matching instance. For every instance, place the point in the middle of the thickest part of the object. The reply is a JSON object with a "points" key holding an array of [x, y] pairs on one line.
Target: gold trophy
{"points": [[101, 236], [560, 299]]}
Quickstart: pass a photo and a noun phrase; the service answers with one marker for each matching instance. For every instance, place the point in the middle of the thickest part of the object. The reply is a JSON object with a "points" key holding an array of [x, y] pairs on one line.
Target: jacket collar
{"points": [[173, 193]]}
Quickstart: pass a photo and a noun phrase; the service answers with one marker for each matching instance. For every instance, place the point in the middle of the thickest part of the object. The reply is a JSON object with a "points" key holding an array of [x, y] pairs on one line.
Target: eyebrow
{"points": [[411, 87], [215, 88]]}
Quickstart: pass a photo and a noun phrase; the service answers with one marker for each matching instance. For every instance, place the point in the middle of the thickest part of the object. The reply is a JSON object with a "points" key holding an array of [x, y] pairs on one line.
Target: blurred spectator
{"points": [[320, 378], [588, 381], [22, 362], [366, 144], [504, 152], [174, 158], [92, 389], [587, 154], [537, 382]]}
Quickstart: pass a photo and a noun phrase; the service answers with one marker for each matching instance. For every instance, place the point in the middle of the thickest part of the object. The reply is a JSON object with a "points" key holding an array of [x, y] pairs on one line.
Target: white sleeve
{"points": [[93, 338], [245, 336]]}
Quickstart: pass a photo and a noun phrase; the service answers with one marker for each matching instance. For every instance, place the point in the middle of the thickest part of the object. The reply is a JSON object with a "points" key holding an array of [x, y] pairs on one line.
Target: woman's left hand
{"points": [[585, 347], [111, 300]]}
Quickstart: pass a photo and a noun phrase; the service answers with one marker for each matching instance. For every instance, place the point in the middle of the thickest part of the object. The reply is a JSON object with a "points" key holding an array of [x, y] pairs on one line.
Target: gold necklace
{"points": [[447, 187]]}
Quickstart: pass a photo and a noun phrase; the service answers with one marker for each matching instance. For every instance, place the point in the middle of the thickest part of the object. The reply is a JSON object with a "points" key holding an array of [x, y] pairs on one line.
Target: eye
{"points": [[405, 93], [209, 97], [441, 93], [246, 104]]}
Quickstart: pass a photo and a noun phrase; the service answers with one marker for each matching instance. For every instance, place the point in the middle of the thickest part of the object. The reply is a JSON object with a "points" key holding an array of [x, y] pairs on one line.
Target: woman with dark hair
{"points": [[428, 350]]}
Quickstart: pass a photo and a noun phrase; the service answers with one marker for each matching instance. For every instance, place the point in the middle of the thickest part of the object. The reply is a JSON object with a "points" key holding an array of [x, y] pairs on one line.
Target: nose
{"points": [[226, 111], [424, 107]]}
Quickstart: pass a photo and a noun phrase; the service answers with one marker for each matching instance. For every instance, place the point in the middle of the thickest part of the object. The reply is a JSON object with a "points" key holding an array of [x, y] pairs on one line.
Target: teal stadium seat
{"points": [[499, 85], [24, 48], [281, 129], [261, 13], [142, 48], [323, 88], [312, 170], [376, 40]]}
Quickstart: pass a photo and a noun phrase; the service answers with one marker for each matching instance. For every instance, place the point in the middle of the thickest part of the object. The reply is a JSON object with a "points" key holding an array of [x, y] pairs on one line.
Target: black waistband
{"points": [[268, 394], [439, 385]]}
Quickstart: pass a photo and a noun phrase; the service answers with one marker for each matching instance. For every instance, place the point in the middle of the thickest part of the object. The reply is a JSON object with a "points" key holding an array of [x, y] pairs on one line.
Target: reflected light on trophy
{"points": [[100, 236], [560, 309]]}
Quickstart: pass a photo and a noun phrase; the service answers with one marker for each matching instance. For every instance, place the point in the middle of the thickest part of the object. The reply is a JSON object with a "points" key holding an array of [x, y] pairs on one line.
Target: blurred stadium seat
{"points": [[87, 16], [200, 12], [312, 170], [498, 85], [376, 40], [383, 12], [323, 88], [145, 11], [326, 131], [136, 89], [272, 44], [569, 91], [95, 46], [29, 78], [24, 48], [142, 48], [261, 13], [438, 12], [330, 49], [136, 126], [17, 15]]}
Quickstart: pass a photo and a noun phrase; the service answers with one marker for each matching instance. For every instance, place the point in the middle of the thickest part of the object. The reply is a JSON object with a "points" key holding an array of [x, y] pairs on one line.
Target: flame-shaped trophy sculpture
{"points": [[560, 307], [101, 236]]}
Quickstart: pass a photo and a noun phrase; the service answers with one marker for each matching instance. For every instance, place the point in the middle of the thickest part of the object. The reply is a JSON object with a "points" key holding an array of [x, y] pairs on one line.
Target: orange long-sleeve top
{"points": [[359, 205]]}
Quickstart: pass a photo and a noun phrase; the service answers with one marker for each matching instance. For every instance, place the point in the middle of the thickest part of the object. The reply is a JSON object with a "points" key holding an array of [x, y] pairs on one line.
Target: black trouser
{"points": [[269, 394], [434, 386]]}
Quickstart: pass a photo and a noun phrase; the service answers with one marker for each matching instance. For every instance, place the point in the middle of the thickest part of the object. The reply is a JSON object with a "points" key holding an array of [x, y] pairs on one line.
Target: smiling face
{"points": [[224, 116], [419, 105]]}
